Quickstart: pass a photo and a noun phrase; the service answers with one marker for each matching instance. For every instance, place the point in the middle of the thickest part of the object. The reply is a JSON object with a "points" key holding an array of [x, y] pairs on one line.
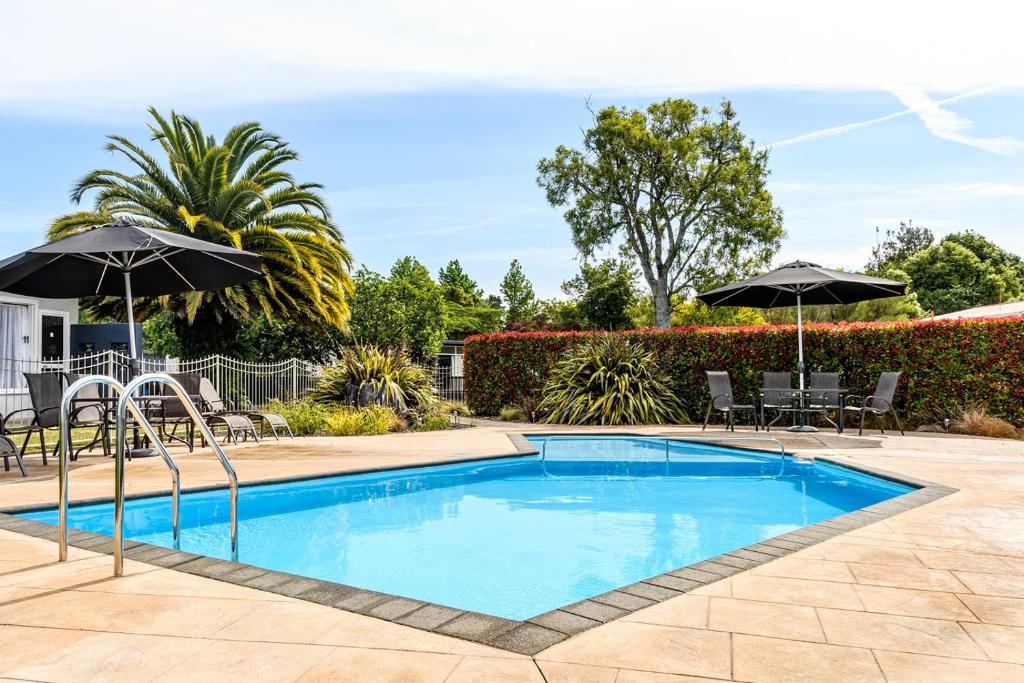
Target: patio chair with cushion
{"points": [[879, 403], [214, 404], [723, 402], [777, 395], [9, 450], [823, 395]]}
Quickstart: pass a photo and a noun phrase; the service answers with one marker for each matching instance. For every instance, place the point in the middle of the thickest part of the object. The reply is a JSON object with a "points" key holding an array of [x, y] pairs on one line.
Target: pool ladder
{"points": [[126, 404]]}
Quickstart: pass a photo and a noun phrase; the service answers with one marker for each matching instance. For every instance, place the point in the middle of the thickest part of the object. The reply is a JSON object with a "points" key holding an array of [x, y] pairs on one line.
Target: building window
{"points": [[15, 345]]}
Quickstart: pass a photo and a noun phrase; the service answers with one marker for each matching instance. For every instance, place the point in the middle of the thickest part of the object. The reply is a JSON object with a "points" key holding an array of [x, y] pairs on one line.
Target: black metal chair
{"points": [[823, 395], [170, 412], [44, 391], [722, 400], [879, 403], [777, 395], [8, 450], [87, 410]]}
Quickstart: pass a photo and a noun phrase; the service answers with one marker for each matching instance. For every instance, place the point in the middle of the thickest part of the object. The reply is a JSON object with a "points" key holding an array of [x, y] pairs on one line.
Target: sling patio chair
{"points": [[215, 405], [776, 394], [88, 410], [44, 394], [169, 412], [8, 450], [879, 403], [823, 396], [722, 401], [218, 413]]}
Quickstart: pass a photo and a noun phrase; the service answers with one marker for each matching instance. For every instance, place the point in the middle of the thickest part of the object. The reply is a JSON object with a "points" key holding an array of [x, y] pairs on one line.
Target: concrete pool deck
{"points": [[933, 593]]}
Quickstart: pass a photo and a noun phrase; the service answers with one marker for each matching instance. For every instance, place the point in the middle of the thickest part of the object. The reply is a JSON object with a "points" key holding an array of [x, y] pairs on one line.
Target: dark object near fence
{"points": [[722, 400], [879, 403]]}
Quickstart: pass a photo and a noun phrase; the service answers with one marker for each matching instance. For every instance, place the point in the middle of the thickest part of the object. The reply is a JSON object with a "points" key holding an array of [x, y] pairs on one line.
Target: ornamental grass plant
{"points": [[609, 380]]}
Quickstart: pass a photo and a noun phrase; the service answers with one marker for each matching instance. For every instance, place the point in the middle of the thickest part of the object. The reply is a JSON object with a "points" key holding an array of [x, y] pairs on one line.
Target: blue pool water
{"points": [[510, 537]]}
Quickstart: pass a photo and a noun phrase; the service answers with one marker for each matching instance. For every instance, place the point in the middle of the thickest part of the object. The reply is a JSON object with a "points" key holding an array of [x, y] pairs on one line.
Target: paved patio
{"points": [[935, 593]]}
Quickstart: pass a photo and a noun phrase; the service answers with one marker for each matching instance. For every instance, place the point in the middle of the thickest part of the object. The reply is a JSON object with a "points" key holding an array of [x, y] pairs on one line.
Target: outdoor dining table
{"points": [[802, 409], [147, 404]]}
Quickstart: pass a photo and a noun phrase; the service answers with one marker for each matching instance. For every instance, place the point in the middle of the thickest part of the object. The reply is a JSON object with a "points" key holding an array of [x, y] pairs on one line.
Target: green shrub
{"points": [[433, 421], [944, 363], [346, 421], [609, 380], [365, 375], [379, 420], [457, 407], [512, 414], [304, 416]]}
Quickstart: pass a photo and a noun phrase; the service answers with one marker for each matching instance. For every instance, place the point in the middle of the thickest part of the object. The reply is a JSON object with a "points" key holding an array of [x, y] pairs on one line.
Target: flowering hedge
{"points": [[946, 364]]}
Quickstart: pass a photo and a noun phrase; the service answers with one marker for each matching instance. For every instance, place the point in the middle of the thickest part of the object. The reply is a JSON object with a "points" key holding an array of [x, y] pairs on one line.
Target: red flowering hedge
{"points": [[946, 364]]}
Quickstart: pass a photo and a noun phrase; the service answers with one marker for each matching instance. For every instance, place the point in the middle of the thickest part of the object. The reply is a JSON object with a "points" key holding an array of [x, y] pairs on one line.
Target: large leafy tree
{"points": [[404, 311], [466, 310], [235, 192], [949, 277], [899, 245], [604, 294], [678, 187], [517, 293]]}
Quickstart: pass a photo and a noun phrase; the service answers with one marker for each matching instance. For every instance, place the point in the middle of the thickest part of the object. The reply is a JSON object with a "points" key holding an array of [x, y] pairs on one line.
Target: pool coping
{"points": [[527, 636]]}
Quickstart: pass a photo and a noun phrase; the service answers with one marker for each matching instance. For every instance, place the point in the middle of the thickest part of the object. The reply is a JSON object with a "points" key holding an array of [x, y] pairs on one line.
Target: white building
{"points": [[31, 331]]}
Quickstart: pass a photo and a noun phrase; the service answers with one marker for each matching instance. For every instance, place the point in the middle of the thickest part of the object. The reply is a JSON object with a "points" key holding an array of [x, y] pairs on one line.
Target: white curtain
{"points": [[14, 345]]}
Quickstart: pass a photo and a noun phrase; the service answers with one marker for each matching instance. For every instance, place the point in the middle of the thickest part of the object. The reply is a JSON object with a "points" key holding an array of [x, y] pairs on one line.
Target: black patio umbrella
{"points": [[122, 259], [798, 283]]}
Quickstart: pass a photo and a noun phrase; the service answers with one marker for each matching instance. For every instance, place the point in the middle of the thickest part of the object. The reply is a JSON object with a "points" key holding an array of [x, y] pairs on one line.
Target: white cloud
{"points": [[940, 122], [79, 57], [948, 125]]}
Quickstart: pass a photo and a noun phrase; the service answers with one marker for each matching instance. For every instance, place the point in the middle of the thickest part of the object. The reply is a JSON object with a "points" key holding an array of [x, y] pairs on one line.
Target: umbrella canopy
{"points": [[802, 283], [123, 259], [798, 283]]}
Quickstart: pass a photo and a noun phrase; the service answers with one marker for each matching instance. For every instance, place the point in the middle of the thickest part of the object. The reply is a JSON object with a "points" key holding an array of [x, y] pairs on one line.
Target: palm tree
{"points": [[235, 192]]}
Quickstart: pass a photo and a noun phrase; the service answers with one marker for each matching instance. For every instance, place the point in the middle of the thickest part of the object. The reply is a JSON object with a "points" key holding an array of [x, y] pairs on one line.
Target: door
{"points": [[52, 337]]}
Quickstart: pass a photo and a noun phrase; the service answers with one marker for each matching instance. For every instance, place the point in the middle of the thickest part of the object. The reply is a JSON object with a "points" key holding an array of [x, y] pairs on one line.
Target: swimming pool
{"points": [[510, 537]]}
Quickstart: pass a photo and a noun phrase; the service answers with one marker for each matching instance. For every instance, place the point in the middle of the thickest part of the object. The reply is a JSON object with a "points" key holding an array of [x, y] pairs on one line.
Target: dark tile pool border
{"points": [[528, 636]]}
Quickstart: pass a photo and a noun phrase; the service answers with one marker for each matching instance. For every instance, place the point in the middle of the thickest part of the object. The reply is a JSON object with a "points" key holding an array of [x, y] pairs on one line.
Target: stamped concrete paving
{"points": [[935, 593]]}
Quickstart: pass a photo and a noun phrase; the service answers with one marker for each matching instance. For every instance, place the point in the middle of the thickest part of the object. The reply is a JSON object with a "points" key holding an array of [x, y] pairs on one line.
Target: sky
{"points": [[425, 121]]}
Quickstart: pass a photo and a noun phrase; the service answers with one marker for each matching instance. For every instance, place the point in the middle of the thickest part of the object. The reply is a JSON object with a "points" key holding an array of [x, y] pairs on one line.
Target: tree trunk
{"points": [[662, 306]]}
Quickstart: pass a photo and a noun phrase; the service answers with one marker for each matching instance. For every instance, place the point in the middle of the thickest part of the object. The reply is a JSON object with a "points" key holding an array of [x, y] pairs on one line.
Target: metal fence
{"points": [[242, 382]]}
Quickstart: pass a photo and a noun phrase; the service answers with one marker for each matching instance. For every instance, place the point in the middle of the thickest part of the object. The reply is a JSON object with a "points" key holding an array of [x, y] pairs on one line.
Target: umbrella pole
{"points": [[800, 342], [132, 349], [803, 426]]}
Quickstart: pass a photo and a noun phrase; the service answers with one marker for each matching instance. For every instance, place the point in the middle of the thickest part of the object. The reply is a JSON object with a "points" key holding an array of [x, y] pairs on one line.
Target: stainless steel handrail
{"points": [[667, 439], [724, 439], [66, 405], [193, 412]]}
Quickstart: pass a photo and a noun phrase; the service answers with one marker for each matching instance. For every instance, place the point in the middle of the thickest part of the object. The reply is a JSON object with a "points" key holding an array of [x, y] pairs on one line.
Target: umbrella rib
{"points": [[159, 254], [103, 275], [178, 273], [236, 265]]}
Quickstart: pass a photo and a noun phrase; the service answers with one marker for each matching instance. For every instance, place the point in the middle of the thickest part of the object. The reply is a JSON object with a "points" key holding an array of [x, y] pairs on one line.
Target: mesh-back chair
{"points": [[8, 450], [214, 404], [44, 390], [879, 403], [87, 410], [823, 394], [220, 413], [776, 394], [722, 400], [171, 413]]}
